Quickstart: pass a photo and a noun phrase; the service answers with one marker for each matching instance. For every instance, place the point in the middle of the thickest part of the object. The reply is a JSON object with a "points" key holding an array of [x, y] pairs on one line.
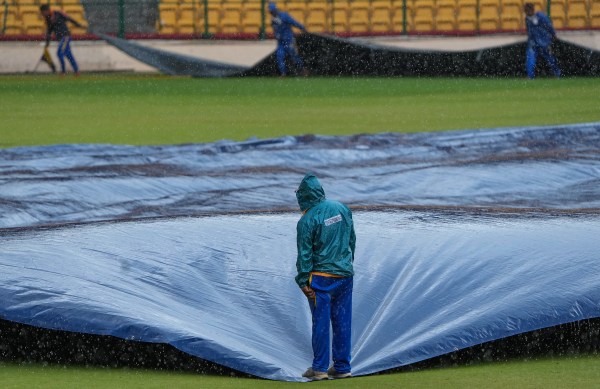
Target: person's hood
{"points": [[310, 192]]}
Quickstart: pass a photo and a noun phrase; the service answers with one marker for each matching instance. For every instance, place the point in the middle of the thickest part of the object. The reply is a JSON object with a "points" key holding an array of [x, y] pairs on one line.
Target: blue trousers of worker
{"points": [[64, 50], [287, 48], [532, 54], [332, 307]]}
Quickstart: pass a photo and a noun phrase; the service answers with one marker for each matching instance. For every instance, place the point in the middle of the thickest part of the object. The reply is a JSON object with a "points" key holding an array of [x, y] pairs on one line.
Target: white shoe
{"points": [[334, 374], [315, 375]]}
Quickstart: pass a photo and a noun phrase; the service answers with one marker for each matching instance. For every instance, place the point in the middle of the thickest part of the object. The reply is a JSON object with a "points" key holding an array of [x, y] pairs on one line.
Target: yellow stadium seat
{"points": [[214, 16], [424, 15], [316, 17], [13, 27], [73, 9], [231, 20], [511, 22], [512, 6], [381, 12], [27, 9], [186, 27], [298, 10], [167, 18], [595, 13], [167, 14], [558, 13], [398, 16], [489, 15], [187, 12], [32, 23], [466, 20], [359, 16], [538, 5], [577, 14], [187, 18], [445, 17], [511, 15], [251, 18], [339, 17]]}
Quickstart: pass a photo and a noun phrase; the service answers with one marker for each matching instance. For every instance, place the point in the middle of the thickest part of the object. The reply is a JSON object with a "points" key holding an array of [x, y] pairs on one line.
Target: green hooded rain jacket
{"points": [[325, 233]]}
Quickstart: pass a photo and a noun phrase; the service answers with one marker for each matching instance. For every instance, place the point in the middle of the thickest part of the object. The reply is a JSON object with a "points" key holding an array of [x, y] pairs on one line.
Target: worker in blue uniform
{"points": [[326, 243], [282, 24], [56, 22], [540, 36]]}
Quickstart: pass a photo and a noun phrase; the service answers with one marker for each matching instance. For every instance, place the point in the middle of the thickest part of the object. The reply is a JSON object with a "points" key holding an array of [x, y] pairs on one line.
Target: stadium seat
{"points": [[29, 15], [445, 17], [167, 18], [538, 5], [339, 17], [214, 16], [397, 18], [316, 20], [32, 22], [252, 17], [298, 10], [489, 15], [73, 9], [381, 12], [577, 14], [186, 27], [595, 13], [191, 19], [424, 15], [466, 20], [187, 12], [512, 15], [558, 12], [230, 18], [359, 16], [13, 27]]}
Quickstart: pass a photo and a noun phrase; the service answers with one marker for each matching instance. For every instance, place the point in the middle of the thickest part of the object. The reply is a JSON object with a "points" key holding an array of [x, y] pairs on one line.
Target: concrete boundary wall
{"points": [[98, 56]]}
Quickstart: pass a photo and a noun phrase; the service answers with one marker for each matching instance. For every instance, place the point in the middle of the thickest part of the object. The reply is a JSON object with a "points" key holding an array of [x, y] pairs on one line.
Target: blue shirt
{"points": [[282, 24], [540, 32]]}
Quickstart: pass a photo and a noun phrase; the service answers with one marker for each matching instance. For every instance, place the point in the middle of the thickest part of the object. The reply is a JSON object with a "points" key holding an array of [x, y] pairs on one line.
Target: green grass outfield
{"points": [[574, 372], [142, 109]]}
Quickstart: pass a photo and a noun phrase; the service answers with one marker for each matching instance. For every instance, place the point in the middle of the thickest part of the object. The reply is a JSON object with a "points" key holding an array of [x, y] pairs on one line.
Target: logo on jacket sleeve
{"points": [[333, 220]]}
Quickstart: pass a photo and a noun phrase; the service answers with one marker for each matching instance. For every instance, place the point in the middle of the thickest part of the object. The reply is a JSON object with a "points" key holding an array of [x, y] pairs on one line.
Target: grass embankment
{"points": [[130, 109], [574, 372]]}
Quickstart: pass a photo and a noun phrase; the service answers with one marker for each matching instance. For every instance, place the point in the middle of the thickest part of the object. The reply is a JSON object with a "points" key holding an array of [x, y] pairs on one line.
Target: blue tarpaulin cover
{"points": [[501, 239]]}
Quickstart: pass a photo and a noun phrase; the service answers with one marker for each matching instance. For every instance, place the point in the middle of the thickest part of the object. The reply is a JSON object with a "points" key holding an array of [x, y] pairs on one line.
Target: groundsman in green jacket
{"points": [[321, 248], [326, 244]]}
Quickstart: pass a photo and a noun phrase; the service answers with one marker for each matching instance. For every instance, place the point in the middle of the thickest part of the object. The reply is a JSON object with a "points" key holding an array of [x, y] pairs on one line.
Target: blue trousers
{"points": [[64, 50], [532, 54], [332, 307], [287, 48]]}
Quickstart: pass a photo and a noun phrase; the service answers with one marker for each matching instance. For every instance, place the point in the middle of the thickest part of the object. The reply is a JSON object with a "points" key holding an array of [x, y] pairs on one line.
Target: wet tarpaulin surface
{"points": [[221, 287], [331, 56], [172, 63], [537, 167]]}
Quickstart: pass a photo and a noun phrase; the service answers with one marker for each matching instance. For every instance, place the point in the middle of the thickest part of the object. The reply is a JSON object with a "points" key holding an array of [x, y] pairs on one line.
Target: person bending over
{"points": [[56, 21]]}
